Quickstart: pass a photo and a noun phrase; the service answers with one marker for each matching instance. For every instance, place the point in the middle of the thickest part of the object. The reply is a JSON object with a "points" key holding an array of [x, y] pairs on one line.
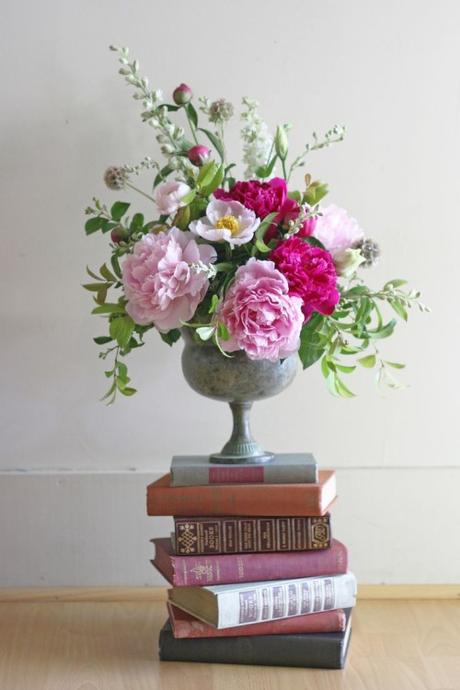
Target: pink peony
{"points": [[261, 197], [260, 315], [168, 196], [336, 230], [311, 274], [159, 282]]}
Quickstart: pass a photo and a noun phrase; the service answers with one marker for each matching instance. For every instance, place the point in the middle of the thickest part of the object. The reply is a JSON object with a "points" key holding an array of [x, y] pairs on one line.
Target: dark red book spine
{"points": [[189, 571], [223, 535], [184, 625]]}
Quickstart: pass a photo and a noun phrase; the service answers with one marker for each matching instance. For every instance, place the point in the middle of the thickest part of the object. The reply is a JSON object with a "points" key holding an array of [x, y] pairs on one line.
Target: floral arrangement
{"points": [[254, 265]]}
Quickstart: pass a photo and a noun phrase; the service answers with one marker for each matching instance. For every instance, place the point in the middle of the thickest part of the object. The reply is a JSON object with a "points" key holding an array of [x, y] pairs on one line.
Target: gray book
{"points": [[285, 468], [308, 650]]}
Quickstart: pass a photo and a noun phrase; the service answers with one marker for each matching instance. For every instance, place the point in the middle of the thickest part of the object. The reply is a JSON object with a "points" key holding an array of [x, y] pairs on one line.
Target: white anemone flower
{"points": [[226, 221]]}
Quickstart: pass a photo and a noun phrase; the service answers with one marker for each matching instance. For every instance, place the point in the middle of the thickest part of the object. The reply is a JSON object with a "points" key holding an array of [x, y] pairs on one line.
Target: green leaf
{"points": [[313, 241], [92, 287], [215, 182], [368, 362], [205, 332], [189, 197], [214, 304], [121, 329], [266, 170], [102, 339], [215, 141], [399, 308], [122, 371], [162, 175], [312, 346], [109, 309], [350, 350], [206, 174], [325, 367], [116, 265], [128, 391], [396, 282], [171, 336], [356, 291], [193, 115], [383, 332], [110, 392], [345, 369], [92, 274], [94, 224], [108, 275], [108, 225], [136, 223], [342, 389], [102, 293], [222, 331], [395, 365], [315, 192], [260, 232], [119, 209]]}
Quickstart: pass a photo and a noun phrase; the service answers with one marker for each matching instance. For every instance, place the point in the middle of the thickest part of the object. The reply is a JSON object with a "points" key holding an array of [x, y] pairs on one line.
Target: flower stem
{"points": [[192, 127], [283, 165], [136, 189]]}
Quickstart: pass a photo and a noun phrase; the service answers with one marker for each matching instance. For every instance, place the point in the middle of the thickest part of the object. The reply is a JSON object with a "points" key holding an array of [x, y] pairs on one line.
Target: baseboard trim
{"points": [[101, 594]]}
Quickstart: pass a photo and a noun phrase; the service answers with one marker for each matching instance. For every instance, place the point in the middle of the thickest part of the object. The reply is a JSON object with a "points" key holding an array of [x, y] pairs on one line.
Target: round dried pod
{"points": [[115, 178], [370, 250], [220, 111]]}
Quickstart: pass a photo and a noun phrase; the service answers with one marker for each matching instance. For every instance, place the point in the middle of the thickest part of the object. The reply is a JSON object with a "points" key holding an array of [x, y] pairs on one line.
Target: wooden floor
{"points": [[396, 645]]}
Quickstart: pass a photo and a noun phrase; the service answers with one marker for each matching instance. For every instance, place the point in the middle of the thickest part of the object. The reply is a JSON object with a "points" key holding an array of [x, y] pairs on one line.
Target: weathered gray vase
{"points": [[239, 381]]}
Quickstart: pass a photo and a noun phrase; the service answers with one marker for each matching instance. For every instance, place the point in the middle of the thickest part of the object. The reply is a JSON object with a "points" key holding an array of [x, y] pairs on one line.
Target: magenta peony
{"points": [[260, 315], [289, 211], [160, 282], [311, 274], [336, 230], [261, 197]]}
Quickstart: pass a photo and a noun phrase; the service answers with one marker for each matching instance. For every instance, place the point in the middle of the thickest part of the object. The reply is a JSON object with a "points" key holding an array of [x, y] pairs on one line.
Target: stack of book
{"points": [[256, 576]]}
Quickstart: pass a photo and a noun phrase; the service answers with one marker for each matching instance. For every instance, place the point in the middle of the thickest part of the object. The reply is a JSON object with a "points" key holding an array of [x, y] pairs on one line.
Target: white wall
{"points": [[389, 71]]}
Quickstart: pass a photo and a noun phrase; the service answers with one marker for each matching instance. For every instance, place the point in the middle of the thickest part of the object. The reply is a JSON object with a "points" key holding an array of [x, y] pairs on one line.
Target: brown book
{"points": [[184, 625], [214, 535], [242, 499]]}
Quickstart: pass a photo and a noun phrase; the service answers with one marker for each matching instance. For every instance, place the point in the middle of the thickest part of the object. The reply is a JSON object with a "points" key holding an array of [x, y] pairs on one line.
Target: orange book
{"points": [[242, 499]]}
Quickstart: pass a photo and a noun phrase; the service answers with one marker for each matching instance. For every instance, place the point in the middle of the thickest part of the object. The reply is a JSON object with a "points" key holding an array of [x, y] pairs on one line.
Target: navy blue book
{"points": [[313, 650]]}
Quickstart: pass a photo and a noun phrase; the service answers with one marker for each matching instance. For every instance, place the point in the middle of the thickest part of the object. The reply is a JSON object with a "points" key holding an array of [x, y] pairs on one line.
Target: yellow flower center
{"points": [[230, 223]]}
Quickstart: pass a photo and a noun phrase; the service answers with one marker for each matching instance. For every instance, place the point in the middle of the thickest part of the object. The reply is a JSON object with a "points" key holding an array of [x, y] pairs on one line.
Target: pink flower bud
{"points": [[198, 154], [182, 94]]}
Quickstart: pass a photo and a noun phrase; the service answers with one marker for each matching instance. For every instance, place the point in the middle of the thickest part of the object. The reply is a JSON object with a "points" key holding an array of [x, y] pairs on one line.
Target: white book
{"points": [[227, 606]]}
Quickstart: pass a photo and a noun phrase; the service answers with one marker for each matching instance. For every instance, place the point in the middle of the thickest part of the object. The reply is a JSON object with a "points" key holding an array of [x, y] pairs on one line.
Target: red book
{"points": [[184, 625], [188, 571], [242, 499]]}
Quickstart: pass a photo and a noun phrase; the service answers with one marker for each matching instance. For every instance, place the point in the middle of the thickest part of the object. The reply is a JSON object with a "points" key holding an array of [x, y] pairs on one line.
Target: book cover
{"points": [[242, 499], [285, 468], [189, 571], [228, 606], [314, 650], [186, 626], [233, 534]]}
